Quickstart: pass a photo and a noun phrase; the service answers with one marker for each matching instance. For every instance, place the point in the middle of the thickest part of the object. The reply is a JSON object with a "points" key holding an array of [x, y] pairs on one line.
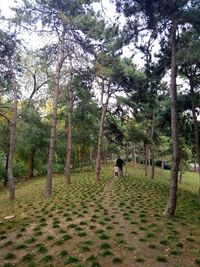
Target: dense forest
{"points": [[76, 96]]}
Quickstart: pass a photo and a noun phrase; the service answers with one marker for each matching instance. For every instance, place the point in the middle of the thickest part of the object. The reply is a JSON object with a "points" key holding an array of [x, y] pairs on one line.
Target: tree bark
{"points": [[134, 155], [13, 127], [196, 129], [100, 136], [145, 160], [104, 107], [127, 152], [152, 145], [171, 205], [181, 171], [48, 187], [69, 138], [162, 165], [106, 152], [152, 164], [149, 155], [5, 180]]}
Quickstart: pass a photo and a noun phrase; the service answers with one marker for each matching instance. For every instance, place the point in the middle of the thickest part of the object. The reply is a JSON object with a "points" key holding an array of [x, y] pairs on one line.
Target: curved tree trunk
{"points": [[48, 187], [13, 127], [171, 205], [69, 138]]}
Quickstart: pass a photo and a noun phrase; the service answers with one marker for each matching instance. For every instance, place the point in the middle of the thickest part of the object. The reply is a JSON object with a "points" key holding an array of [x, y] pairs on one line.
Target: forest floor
{"points": [[116, 222]]}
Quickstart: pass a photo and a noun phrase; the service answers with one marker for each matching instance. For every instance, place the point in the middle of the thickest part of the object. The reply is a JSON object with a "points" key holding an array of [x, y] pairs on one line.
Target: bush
{"points": [[58, 167], [19, 170], [43, 170]]}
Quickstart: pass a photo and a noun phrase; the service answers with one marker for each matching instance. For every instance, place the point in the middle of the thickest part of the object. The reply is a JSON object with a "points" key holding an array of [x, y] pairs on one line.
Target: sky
{"points": [[5, 7]]}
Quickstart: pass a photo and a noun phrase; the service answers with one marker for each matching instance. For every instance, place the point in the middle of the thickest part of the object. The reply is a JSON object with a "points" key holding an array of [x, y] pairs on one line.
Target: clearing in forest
{"points": [[112, 223]]}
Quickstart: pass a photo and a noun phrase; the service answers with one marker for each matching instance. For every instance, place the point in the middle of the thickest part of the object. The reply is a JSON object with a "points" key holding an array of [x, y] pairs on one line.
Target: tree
{"points": [[159, 16], [62, 20], [188, 58], [8, 62]]}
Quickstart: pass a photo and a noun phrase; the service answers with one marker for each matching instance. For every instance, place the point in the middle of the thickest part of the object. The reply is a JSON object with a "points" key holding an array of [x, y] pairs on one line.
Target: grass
{"points": [[104, 224]]}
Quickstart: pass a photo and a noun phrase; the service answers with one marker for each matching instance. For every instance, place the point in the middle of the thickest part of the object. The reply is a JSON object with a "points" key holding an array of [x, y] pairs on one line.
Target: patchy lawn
{"points": [[112, 223]]}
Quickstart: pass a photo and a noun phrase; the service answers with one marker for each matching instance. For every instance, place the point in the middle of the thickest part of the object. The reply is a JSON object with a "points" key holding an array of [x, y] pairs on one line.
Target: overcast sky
{"points": [[105, 5]]}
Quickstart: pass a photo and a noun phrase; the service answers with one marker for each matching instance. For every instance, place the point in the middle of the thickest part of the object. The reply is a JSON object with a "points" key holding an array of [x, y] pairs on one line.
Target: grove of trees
{"points": [[77, 98]]}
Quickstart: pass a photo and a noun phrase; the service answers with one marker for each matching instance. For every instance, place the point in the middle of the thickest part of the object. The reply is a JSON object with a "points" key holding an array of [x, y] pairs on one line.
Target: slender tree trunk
{"points": [[149, 155], [92, 159], [152, 164], [145, 160], [69, 137], [111, 155], [104, 107], [196, 128], [5, 180], [134, 155], [48, 188], [13, 127], [171, 205], [126, 151], [152, 145], [162, 165], [81, 163], [31, 164], [181, 170], [106, 152], [195, 166], [100, 136]]}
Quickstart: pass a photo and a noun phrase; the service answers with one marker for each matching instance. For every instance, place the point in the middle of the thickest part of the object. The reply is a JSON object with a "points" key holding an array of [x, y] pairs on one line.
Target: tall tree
{"points": [[188, 59], [63, 20], [159, 16], [8, 62]]}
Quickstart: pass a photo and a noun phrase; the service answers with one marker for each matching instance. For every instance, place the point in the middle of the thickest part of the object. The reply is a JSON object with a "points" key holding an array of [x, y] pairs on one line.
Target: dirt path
{"points": [[133, 249]]}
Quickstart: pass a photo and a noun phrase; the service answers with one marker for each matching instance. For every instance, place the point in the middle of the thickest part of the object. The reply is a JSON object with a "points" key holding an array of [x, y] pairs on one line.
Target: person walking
{"points": [[120, 163]]}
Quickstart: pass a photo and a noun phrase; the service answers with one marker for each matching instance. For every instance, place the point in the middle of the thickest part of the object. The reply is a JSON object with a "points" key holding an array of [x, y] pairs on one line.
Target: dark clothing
{"points": [[120, 163]]}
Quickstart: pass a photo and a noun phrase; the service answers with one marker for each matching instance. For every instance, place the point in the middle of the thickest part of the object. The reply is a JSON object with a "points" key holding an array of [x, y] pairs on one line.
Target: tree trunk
{"points": [[100, 136], [181, 171], [5, 180], [134, 155], [81, 162], [13, 127], [145, 160], [171, 205], [127, 152], [149, 155], [69, 138], [152, 164], [196, 129], [106, 152], [92, 163], [31, 164], [195, 166], [162, 165], [48, 188], [151, 150]]}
